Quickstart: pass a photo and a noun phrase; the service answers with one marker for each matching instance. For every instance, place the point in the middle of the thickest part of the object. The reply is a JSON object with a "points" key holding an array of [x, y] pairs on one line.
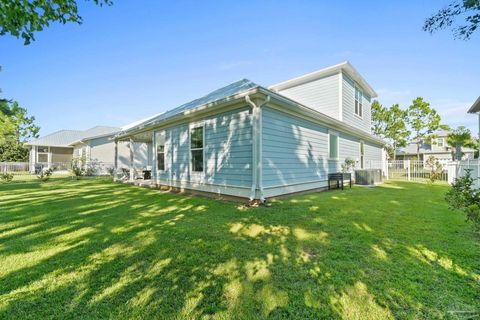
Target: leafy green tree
{"points": [[458, 138], [469, 10], [423, 121], [390, 125], [22, 18], [16, 127]]}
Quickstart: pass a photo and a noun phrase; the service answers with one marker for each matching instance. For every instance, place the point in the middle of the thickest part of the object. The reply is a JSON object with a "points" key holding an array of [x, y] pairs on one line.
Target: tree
{"points": [[423, 121], [15, 129], [390, 125], [459, 138], [444, 18], [24, 18]]}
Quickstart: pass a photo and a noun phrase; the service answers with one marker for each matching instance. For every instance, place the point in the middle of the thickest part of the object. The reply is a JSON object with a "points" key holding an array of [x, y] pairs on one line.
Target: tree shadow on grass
{"points": [[96, 250]]}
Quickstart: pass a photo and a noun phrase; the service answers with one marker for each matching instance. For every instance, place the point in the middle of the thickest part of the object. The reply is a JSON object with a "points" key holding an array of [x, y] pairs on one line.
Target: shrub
{"points": [[45, 174], [6, 177], [463, 196], [436, 168], [348, 165]]}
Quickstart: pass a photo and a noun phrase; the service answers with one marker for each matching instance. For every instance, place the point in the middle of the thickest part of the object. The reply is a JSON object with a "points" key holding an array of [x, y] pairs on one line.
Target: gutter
{"points": [[257, 157]]}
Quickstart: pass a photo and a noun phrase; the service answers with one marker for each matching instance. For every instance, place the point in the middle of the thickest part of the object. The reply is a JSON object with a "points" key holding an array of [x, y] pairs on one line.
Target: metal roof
{"points": [[58, 139], [219, 94], [65, 138]]}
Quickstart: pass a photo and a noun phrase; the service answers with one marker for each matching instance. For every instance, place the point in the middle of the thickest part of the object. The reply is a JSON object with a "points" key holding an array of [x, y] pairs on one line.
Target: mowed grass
{"points": [[95, 249]]}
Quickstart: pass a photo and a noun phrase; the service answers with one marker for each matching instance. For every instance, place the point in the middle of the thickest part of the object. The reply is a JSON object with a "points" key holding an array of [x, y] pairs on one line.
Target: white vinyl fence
{"points": [[473, 166], [22, 171], [417, 171]]}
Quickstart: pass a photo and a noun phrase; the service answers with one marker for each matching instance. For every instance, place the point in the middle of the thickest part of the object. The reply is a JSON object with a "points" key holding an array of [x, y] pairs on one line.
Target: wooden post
{"points": [[132, 170]]}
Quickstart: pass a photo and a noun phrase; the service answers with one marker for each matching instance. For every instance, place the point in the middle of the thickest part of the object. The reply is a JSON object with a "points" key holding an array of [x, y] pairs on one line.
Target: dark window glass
{"points": [[197, 138], [197, 160], [161, 157], [196, 147]]}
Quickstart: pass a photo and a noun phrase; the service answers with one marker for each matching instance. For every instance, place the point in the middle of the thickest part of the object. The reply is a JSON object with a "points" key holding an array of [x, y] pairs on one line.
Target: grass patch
{"points": [[94, 249]]}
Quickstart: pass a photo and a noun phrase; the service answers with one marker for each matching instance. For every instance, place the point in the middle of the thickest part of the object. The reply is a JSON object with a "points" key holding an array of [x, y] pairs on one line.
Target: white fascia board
{"points": [[475, 108], [309, 77]]}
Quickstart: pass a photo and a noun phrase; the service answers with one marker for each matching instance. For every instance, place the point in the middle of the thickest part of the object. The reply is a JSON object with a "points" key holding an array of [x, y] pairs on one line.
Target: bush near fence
{"points": [[23, 171]]}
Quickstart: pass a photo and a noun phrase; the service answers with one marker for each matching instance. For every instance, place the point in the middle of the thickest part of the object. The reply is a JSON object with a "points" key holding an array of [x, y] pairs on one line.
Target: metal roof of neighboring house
{"points": [[475, 107], [66, 138], [341, 67], [60, 138], [222, 93]]}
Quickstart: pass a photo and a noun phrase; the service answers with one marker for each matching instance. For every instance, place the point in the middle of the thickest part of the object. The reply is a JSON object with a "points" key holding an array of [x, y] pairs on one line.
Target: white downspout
{"points": [[257, 159]]}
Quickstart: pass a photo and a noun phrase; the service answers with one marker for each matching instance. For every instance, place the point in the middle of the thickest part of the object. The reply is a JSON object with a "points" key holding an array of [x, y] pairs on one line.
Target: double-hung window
{"points": [[197, 144], [160, 139], [440, 142], [333, 145], [358, 102], [42, 154]]}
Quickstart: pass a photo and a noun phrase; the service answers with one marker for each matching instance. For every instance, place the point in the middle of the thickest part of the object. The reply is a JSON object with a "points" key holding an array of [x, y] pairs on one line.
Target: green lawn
{"points": [[95, 249]]}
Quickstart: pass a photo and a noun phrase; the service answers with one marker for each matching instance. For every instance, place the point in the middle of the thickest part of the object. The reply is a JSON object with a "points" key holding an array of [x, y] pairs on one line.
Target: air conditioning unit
{"points": [[368, 177]]}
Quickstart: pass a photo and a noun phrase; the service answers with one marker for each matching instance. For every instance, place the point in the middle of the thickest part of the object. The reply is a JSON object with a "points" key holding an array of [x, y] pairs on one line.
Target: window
{"points": [[196, 149], [42, 154], [358, 102], [362, 155], [440, 142], [160, 151], [333, 145]]}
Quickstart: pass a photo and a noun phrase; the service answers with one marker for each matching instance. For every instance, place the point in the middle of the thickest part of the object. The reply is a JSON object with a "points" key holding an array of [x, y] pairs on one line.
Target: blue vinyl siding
{"points": [[296, 151], [227, 151], [348, 106]]}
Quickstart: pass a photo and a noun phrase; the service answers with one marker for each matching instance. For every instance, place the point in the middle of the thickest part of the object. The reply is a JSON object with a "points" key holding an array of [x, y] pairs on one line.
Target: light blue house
{"points": [[249, 141]]}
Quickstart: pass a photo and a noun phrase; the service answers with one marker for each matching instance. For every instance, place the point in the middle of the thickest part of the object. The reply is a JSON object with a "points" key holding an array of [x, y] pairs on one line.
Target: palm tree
{"points": [[458, 138]]}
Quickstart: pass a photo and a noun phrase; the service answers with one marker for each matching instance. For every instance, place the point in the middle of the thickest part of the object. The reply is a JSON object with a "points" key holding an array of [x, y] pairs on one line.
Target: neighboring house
{"points": [[439, 149], [57, 149], [254, 142]]}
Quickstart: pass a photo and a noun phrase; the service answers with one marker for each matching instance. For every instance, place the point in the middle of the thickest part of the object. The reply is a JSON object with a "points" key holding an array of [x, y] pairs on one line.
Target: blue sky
{"points": [[139, 58]]}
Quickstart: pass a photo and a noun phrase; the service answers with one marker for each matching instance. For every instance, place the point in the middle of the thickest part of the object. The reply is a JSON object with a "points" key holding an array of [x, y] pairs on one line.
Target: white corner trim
{"points": [[340, 96]]}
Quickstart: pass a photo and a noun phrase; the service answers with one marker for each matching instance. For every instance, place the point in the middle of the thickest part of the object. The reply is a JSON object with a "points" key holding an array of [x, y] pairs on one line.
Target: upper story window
{"points": [[160, 139], [196, 148], [440, 142], [358, 102]]}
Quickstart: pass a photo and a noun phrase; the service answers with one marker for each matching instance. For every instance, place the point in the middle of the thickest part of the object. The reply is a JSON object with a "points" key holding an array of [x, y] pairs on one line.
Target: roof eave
{"points": [[475, 108], [341, 67]]}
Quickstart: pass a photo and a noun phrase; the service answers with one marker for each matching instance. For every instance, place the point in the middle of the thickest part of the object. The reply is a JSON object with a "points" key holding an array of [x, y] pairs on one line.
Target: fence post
{"points": [[407, 163]]}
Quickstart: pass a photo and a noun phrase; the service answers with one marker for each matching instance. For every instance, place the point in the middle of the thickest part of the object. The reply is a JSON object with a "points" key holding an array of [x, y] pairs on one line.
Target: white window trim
{"points": [[357, 88], [164, 133], [47, 153], [199, 124], [334, 133], [443, 142]]}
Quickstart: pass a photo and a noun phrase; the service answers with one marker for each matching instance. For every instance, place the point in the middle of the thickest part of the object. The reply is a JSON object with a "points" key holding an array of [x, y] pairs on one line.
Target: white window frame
{"points": [[359, 101], [191, 128], [333, 133], [47, 153], [441, 145], [164, 134]]}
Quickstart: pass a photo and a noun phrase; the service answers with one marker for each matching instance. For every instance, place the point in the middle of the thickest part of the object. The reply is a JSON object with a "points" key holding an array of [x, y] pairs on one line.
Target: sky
{"points": [[138, 58]]}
